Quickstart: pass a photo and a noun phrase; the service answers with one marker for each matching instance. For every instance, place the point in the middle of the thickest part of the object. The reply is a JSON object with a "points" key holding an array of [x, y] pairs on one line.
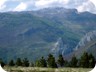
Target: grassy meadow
{"points": [[36, 69]]}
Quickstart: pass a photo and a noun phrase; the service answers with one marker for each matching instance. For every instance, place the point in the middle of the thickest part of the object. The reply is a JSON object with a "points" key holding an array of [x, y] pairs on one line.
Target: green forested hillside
{"points": [[25, 34]]}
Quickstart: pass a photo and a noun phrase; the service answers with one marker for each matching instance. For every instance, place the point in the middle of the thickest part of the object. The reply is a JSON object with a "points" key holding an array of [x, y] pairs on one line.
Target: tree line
{"points": [[86, 61]]}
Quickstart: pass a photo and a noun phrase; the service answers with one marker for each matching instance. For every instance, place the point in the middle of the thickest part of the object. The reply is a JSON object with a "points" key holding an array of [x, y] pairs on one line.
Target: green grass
{"points": [[36, 69]]}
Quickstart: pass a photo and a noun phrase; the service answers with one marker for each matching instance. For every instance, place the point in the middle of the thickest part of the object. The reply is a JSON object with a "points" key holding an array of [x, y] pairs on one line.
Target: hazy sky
{"points": [[24, 5]]}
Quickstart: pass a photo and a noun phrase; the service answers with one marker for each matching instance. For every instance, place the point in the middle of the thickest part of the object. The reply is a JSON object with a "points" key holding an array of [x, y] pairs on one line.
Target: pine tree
{"points": [[2, 63], [25, 62], [73, 62], [43, 62], [18, 62], [51, 61], [66, 64], [11, 63], [91, 61], [37, 63], [84, 60], [61, 60]]}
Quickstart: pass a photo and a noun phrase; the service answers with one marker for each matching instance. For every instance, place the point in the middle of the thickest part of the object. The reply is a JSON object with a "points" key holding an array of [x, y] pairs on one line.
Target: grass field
{"points": [[36, 69]]}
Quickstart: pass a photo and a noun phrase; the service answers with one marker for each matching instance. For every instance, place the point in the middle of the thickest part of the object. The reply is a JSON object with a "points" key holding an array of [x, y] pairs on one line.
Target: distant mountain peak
{"points": [[57, 10]]}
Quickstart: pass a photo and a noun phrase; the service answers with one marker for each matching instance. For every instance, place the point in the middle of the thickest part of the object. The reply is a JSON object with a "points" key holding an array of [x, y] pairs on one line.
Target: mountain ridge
{"points": [[32, 32], [87, 44]]}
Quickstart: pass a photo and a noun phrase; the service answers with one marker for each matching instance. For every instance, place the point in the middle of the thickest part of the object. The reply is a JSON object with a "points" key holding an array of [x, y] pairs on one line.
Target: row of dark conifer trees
{"points": [[85, 61]]}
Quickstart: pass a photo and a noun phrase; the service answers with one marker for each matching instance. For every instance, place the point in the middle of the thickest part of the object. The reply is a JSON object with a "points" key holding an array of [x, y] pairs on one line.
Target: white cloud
{"points": [[93, 1], [2, 5], [80, 5], [50, 3], [43, 3], [86, 6], [21, 7], [64, 1]]}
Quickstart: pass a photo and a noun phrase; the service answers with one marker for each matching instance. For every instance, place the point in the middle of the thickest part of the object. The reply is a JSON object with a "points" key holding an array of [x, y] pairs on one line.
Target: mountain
{"points": [[33, 34], [87, 44]]}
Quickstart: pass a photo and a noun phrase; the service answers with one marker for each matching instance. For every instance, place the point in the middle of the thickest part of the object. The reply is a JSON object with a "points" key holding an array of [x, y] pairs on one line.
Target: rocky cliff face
{"points": [[87, 43]]}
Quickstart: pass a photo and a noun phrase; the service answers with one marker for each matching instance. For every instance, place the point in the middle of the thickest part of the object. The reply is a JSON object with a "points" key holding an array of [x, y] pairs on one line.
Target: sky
{"points": [[27, 5]]}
